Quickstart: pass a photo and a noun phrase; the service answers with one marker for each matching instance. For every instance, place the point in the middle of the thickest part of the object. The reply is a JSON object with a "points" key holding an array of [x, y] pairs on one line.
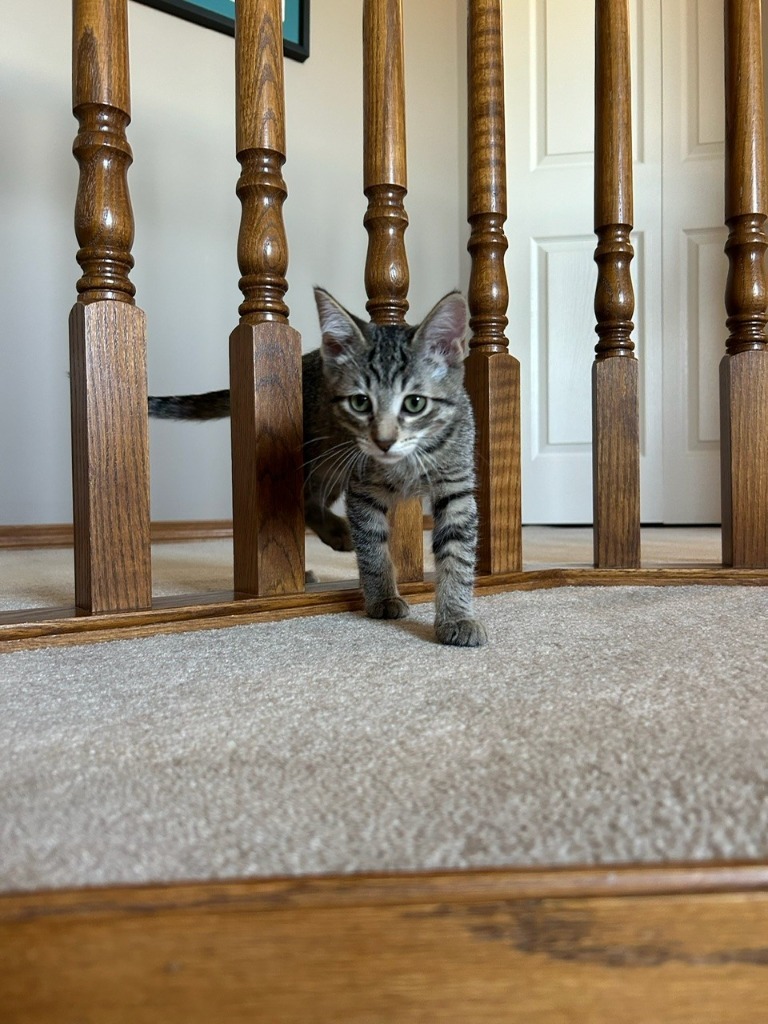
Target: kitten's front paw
{"points": [[388, 608], [340, 537], [333, 530], [461, 633]]}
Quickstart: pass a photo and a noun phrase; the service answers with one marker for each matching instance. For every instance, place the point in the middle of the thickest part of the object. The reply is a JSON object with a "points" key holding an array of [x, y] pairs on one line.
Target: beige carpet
{"points": [[598, 726]]}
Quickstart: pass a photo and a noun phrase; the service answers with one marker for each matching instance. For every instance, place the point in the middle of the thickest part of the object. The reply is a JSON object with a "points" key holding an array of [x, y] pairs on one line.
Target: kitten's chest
{"points": [[403, 480]]}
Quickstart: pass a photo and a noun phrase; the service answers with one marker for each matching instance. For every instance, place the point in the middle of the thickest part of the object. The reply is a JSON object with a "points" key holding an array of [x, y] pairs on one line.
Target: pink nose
{"points": [[385, 443]]}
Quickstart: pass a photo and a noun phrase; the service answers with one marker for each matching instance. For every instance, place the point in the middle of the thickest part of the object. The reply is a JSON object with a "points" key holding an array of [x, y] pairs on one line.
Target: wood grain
{"points": [[616, 463], [110, 457], [43, 627], [492, 374], [744, 369], [101, 102], [267, 477], [262, 248], [162, 531], [264, 352], [107, 336], [630, 944], [385, 183], [385, 179], [744, 458], [615, 400], [493, 382]]}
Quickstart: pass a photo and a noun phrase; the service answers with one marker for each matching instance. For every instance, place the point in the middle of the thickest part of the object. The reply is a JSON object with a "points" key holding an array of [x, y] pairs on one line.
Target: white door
{"points": [[695, 265], [549, 57]]}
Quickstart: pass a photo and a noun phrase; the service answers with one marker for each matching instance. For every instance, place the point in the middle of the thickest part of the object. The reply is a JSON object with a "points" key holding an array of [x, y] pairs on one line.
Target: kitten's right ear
{"points": [[341, 335]]}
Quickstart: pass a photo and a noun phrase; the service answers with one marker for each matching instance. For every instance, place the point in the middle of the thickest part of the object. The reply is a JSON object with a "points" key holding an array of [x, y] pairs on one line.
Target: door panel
{"points": [[549, 57], [694, 262]]}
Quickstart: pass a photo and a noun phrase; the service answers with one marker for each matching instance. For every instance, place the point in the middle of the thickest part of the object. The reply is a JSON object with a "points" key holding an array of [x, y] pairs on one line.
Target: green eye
{"points": [[359, 403], [414, 404]]}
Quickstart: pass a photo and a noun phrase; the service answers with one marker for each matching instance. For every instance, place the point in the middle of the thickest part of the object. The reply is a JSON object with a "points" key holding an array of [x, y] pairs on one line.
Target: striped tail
{"points": [[212, 405]]}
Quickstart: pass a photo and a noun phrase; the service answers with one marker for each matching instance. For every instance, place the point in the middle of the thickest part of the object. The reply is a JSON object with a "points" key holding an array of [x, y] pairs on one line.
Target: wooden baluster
{"points": [[744, 368], [110, 457], [385, 185], [265, 353], [492, 374], [615, 403]]}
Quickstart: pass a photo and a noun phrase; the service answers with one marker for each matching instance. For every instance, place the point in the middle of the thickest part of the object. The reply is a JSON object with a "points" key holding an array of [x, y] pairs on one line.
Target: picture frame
{"points": [[220, 16]]}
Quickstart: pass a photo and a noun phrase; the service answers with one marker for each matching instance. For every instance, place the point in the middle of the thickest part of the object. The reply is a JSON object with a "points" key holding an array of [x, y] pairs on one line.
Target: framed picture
{"points": [[220, 15]]}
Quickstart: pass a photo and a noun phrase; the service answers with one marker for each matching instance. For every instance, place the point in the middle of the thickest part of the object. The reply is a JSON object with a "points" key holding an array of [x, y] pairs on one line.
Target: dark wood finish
{"points": [[615, 402], [406, 540], [37, 535], [492, 374], [43, 627], [262, 249], [626, 944], [101, 102], [385, 184], [110, 453], [744, 369], [162, 531], [616, 463], [265, 353], [385, 180], [267, 493], [110, 457]]}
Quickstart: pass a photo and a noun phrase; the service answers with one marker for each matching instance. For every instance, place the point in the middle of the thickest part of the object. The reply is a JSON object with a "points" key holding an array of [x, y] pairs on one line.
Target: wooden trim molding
{"points": [[624, 944], [42, 627], [61, 535], [162, 531]]}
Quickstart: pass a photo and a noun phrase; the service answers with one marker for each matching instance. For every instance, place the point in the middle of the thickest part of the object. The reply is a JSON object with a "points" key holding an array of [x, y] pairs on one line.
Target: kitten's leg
{"points": [[332, 530], [367, 515], [454, 543]]}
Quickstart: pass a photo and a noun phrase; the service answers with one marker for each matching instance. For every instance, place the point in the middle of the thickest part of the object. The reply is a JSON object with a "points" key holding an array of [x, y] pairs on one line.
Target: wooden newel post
{"points": [[385, 184], [615, 400], [744, 368], [110, 455], [492, 374], [265, 352]]}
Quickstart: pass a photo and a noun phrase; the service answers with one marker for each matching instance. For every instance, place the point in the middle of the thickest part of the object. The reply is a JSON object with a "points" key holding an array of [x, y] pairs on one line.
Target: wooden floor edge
{"points": [[434, 887], [162, 531], [41, 627]]}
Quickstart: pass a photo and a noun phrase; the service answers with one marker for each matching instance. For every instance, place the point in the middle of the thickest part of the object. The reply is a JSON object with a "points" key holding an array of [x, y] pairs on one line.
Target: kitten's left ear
{"points": [[443, 332], [341, 335]]}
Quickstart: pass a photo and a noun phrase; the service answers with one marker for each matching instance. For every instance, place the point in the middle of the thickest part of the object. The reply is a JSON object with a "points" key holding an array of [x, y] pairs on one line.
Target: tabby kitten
{"points": [[386, 417]]}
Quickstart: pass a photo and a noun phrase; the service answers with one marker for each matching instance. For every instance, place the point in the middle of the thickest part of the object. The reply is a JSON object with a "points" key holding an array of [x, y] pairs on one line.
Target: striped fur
{"points": [[386, 417]]}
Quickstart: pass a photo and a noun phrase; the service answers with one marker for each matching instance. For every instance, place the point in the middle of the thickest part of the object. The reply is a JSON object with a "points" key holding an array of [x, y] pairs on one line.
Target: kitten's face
{"points": [[387, 402], [394, 388]]}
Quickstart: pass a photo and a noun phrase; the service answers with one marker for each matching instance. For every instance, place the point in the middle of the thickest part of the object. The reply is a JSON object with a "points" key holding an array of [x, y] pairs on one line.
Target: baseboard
{"points": [[163, 531], [623, 945]]}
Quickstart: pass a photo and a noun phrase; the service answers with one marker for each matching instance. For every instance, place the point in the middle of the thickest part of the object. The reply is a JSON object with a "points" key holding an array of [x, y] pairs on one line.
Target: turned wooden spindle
{"points": [[744, 368], [492, 374], [615, 401], [262, 248], [265, 352], [101, 103], [385, 184], [110, 456], [385, 180]]}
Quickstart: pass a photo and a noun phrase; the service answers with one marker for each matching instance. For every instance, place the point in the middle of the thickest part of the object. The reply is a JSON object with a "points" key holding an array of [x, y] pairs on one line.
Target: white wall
{"points": [[187, 217]]}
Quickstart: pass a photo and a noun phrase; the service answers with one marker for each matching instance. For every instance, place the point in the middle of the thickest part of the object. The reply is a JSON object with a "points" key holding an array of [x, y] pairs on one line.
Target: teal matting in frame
{"points": [[220, 15]]}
